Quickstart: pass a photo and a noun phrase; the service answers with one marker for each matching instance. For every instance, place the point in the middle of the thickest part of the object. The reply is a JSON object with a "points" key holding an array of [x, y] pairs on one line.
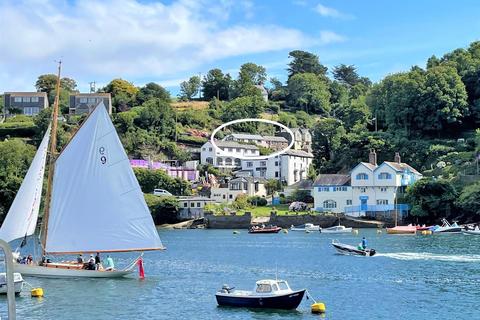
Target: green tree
{"points": [[150, 91], [469, 199], [216, 84], [279, 91], [328, 135], [305, 62], [158, 116], [158, 179], [47, 83], [163, 209], [250, 76], [306, 91], [431, 199], [346, 74], [241, 108], [123, 93], [190, 88]]}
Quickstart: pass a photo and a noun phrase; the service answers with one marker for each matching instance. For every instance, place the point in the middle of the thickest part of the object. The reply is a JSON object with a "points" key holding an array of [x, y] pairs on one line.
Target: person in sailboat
{"points": [[98, 261], [80, 259], [91, 263], [29, 259], [108, 264]]}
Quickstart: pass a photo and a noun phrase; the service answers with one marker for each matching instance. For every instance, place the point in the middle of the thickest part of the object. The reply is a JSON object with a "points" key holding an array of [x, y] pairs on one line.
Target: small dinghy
{"points": [[402, 230], [264, 229], [352, 250], [337, 229], [270, 294], [306, 227], [472, 231], [17, 280]]}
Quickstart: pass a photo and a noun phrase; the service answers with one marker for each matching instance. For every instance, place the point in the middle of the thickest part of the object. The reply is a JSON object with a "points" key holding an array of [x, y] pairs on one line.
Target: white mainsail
{"points": [[22, 216], [97, 203]]}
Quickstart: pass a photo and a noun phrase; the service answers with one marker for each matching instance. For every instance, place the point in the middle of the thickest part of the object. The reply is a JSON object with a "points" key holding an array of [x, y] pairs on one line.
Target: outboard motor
{"points": [[226, 288], [372, 252]]}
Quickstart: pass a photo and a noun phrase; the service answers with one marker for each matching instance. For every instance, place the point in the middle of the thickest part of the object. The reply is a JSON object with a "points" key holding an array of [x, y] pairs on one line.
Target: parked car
{"points": [[161, 192]]}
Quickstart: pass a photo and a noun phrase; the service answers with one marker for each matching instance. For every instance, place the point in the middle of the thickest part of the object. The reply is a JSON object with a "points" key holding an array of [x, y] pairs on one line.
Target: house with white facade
{"points": [[192, 207], [228, 192], [208, 154], [301, 136], [244, 137], [371, 188], [289, 167]]}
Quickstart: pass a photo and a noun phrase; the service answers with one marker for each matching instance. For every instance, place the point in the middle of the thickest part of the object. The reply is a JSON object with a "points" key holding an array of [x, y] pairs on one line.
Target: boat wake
{"points": [[431, 256]]}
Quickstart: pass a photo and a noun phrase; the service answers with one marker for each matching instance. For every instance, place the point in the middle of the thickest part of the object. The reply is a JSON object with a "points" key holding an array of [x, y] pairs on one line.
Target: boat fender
{"points": [[355, 231], [318, 307], [37, 292], [285, 231]]}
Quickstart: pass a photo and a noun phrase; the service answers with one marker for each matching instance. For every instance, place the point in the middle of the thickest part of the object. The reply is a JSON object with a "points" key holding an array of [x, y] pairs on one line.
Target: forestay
{"points": [[97, 203], [22, 216]]}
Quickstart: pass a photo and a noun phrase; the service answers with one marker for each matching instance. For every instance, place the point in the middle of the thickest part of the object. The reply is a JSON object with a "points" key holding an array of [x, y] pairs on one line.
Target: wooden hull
{"points": [[265, 230], [51, 272], [287, 301]]}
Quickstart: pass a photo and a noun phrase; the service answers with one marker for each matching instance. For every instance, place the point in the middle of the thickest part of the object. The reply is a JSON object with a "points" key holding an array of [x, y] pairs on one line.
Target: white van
{"points": [[161, 192]]}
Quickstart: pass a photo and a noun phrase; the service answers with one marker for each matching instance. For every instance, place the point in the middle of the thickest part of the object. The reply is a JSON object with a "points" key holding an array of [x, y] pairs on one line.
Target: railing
{"points": [[401, 208]]}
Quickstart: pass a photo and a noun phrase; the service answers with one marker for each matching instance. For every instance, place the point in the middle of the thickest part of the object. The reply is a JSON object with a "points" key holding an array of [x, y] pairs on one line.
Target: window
{"points": [[274, 287], [228, 162], [220, 161], [17, 99], [362, 176], [363, 190], [92, 100], [382, 201], [230, 196], [204, 149], [83, 100], [198, 204], [210, 149], [276, 163], [383, 189], [263, 288], [263, 163], [209, 160], [283, 286], [26, 99], [329, 204], [276, 174], [192, 204], [237, 149], [27, 111], [238, 163], [249, 164], [34, 99], [349, 202], [384, 176], [224, 196], [230, 150], [263, 173], [326, 189], [185, 204]]}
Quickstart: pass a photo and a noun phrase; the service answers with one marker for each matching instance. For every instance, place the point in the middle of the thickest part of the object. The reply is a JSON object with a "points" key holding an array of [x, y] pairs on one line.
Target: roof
{"points": [[303, 184], [250, 179], [193, 198], [233, 144], [298, 153], [369, 165], [332, 180], [246, 136], [93, 94], [273, 138], [27, 94], [401, 166]]}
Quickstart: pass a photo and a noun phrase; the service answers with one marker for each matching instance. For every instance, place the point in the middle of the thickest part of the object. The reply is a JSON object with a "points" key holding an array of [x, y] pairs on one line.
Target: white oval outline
{"points": [[227, 154]]}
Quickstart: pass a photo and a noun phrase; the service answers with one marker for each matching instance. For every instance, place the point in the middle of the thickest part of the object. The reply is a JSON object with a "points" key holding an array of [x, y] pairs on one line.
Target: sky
{"points": [[169, 41]]}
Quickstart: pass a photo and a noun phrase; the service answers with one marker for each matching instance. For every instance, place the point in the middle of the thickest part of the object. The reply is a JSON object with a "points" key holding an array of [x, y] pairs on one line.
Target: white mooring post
{"points": [[10, 284]]}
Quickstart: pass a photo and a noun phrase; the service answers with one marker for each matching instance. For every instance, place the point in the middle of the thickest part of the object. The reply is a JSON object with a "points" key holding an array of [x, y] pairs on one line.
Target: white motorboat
{"points": [[17, 280], [475, 231], [336, 229], [447, 227], [305, 227], [93, 202]]}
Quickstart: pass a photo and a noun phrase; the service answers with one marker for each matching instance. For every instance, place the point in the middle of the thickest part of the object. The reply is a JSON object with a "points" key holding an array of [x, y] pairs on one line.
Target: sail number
{"points": [[103, 157]]}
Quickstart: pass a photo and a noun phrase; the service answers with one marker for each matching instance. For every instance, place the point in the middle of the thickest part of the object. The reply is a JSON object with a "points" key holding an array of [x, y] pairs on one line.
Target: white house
{"points": [[302, 138], [371, 188], [192, 207], [244, 137], [289, 167], [208, 154], [249, 186]]}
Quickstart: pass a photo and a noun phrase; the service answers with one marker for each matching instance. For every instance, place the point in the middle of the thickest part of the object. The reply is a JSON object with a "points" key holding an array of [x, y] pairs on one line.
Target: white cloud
{"points": [[100, 40], [327, 37], [330, 12]]}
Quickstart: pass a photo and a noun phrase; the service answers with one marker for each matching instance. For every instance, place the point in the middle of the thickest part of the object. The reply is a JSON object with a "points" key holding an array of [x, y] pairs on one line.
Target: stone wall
{"points": [[228, 221]]}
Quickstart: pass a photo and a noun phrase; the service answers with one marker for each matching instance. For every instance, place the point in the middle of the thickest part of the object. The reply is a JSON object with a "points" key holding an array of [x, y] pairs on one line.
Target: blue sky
{"points": [[168, 41]]}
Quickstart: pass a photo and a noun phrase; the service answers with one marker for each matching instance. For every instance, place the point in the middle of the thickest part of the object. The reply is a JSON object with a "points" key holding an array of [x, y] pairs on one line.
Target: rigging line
{"points": [[106, 134], [115, 163], [128, 191]]}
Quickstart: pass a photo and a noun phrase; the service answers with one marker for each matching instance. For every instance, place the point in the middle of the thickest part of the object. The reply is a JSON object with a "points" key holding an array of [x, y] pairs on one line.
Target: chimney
{"points": [[372, 157], [397, 158]]}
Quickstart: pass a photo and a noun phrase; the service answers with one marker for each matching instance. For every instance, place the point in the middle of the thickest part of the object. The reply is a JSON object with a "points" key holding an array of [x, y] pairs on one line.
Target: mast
{"points": [[51, 159]]}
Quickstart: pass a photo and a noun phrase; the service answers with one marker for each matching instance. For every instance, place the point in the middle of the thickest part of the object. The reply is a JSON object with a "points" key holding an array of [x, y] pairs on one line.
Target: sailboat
{"points": [[93, 203]]}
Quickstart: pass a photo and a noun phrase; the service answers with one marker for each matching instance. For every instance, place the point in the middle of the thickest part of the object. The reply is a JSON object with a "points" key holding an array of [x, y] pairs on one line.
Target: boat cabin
{"points": [[271, 287]]}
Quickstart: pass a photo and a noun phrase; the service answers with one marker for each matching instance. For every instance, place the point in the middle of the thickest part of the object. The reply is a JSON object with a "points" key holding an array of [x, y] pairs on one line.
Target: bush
{"points": [[257, 201], [158, 179], [163, 209], [241, 202]]}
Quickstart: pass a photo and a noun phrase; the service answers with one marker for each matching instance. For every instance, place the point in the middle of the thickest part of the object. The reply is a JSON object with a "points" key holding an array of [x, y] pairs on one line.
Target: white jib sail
{"points": [[22, 216], [97, 203]]}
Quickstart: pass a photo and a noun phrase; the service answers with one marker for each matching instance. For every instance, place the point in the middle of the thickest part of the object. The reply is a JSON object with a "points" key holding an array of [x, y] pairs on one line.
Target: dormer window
{"points": [[362, 176], [384, 176]]}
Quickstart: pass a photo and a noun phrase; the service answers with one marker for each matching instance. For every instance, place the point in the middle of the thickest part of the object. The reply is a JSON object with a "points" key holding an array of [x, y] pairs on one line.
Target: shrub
{"points": [[257, 201], [163, 209]]}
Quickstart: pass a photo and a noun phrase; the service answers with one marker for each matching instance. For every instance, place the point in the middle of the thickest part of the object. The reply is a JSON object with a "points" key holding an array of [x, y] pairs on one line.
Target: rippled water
{"points": [[413, 277]]}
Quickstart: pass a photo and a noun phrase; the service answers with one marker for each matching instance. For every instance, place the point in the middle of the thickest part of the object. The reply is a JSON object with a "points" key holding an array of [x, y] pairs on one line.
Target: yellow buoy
{"points": [[426, 232], [37, 292], [284, 230], [318, 307]]}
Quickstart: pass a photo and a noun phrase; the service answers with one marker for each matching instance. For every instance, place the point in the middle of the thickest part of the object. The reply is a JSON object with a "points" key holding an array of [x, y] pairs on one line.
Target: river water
{"points": [[412, 277]]}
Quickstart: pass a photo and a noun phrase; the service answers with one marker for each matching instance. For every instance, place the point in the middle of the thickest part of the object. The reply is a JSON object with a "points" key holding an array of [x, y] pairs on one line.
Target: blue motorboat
{"points": [[270, 294]]}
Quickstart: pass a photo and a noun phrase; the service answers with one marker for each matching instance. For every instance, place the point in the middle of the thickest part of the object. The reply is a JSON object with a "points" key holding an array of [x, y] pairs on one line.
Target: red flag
{"points": [[141, 272]]}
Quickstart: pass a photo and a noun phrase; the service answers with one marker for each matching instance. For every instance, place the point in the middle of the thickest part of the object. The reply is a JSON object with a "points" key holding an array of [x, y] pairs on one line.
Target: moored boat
{"points": [[270, 294], [352, 250], [474, 231], [264, 229], [306, 227], [402, 230], [17, 282], [446, 227], [336, 229]]}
